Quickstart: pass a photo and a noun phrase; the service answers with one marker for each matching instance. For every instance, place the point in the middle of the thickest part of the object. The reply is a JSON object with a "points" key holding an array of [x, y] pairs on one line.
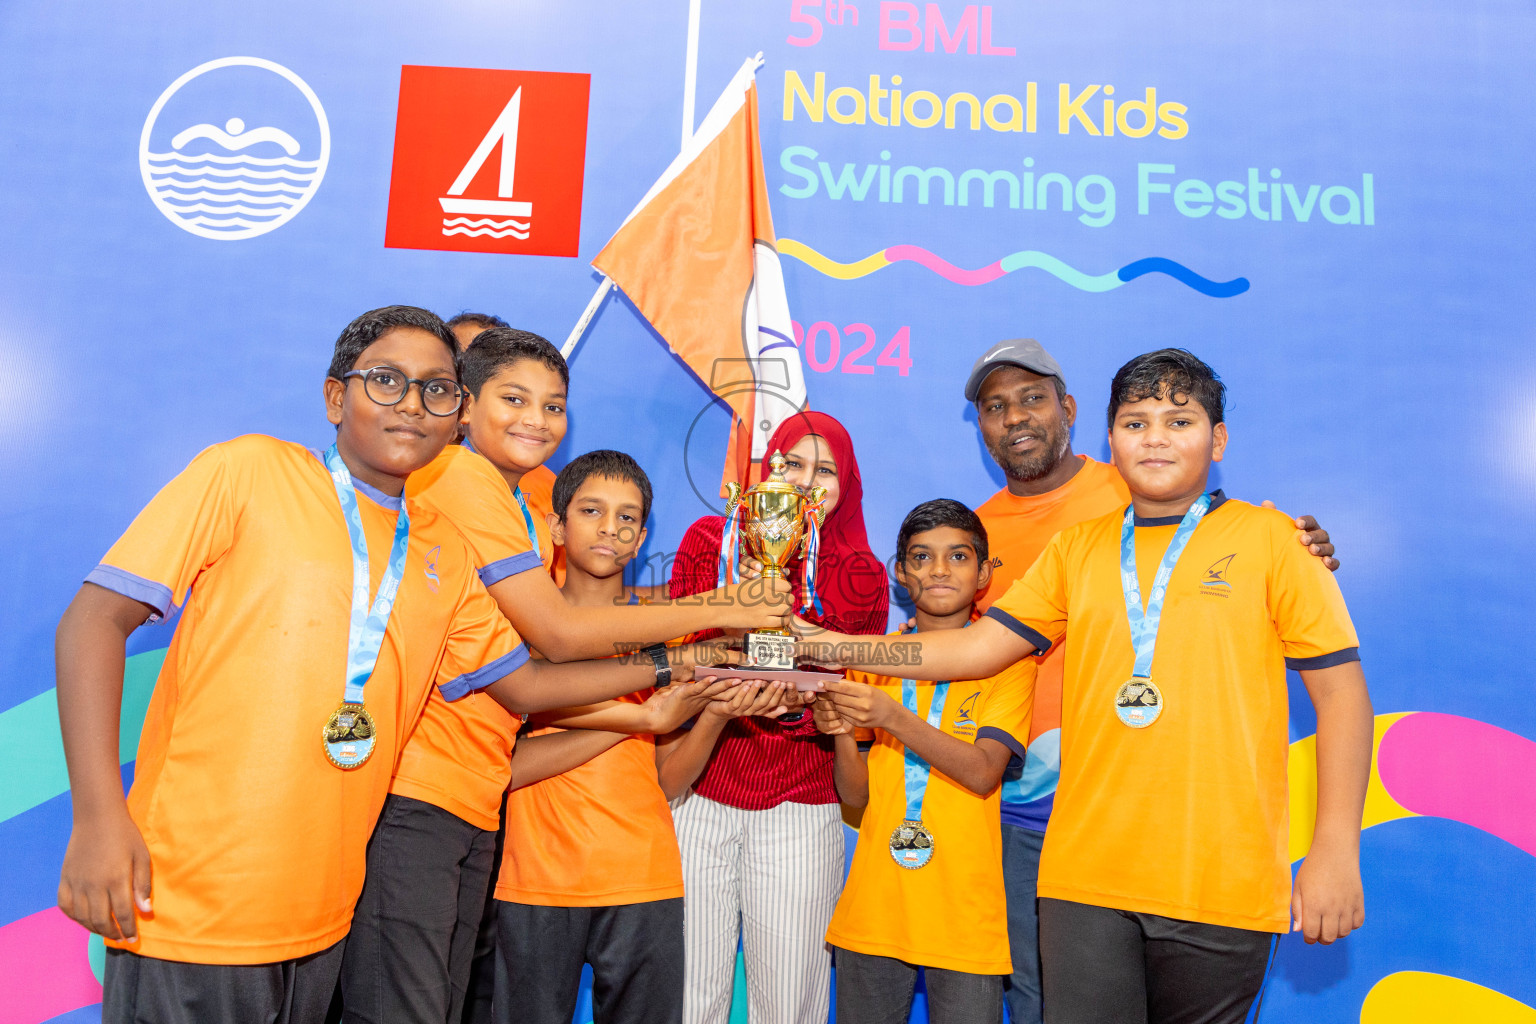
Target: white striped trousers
{"points": [[772, 878]]}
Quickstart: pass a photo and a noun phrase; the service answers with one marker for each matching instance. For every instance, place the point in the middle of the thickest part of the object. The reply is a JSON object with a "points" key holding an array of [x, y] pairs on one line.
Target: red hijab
{"points": [[850, 580]]}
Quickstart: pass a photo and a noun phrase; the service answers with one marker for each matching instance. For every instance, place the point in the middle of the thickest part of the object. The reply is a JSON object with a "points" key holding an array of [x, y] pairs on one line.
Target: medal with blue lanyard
{"points": [[912, 844], [349, 734], [1139, 703]]}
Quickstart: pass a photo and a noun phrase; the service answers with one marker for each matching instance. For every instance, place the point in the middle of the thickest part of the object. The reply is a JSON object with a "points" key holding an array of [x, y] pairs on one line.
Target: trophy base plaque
{"points": [[774, 651], [804, 681]]}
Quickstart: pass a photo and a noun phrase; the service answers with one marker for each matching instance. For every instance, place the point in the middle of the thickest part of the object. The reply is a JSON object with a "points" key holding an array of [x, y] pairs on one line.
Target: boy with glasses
{"points": [[321, 608], [431, 859]]}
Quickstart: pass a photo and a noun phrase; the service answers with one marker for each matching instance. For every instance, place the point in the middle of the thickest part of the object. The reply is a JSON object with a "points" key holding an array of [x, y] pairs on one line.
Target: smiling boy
{"points": [[1184, 613], [431, 859], [320, 610]]}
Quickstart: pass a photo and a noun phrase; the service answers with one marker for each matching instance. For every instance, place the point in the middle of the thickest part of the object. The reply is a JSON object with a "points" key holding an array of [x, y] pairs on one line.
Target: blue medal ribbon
{"points": [[1139, 703], [917, 769], [533, 535], [365, 634], [911, 845]]}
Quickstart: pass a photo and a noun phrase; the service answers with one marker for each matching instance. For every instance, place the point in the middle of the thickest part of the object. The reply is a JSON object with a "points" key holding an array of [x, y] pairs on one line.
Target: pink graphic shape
{"points": [[48, 968], [944, 268], [1465, 770]]}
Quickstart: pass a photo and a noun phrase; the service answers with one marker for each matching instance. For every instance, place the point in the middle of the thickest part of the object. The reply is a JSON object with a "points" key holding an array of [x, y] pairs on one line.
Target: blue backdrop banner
{"points": [[1330, 203]]}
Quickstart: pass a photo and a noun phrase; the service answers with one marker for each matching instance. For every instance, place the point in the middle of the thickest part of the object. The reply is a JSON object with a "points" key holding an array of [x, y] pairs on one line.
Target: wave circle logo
{"points": [[234, 148]]}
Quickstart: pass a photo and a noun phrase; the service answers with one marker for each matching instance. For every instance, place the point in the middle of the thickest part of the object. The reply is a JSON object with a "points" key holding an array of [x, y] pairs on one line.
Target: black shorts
{"points": [[635, 951], [413, 932], [298, 991], [1103, 966]]}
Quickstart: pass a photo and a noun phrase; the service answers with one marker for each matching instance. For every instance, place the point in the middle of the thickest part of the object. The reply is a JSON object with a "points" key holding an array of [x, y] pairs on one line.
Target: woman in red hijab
{"points": [[761, 832]]}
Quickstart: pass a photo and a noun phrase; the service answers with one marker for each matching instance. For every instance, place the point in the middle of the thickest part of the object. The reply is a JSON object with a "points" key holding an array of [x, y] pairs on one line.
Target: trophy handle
{"points": [[816, 496], [732, 498]]}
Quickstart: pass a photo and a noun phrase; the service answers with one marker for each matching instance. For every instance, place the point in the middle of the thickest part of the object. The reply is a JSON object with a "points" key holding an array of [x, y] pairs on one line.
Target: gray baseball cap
{"points": [[1026, 353]]}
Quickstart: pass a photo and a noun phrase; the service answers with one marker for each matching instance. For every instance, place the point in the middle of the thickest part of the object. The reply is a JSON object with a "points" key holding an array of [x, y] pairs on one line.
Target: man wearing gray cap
{"points": [[1025, 415]]}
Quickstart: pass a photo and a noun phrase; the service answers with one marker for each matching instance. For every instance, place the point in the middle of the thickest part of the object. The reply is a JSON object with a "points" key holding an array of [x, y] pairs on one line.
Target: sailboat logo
{"points": [[455, 207], [488, 160], [234, 148]]}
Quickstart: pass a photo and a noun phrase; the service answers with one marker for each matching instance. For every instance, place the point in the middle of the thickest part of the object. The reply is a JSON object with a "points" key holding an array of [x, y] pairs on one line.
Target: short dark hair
{"points": [[376, 323], [1171, 373], [499, 347], [931, 515], [604, 462], [484, 321]]}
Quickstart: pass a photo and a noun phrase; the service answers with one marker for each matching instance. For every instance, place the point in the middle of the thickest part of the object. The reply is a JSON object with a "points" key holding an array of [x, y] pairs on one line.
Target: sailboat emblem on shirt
{"points": [[1216, 575]]}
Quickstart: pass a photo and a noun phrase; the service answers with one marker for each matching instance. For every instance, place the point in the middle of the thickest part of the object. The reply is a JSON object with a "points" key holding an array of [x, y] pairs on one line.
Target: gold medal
{"points": [[349, 737], [1139, 703], [911, 845]]}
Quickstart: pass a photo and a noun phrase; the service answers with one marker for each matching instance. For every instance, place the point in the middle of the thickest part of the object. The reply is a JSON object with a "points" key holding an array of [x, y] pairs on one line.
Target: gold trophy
{"points": [[773, 529]]}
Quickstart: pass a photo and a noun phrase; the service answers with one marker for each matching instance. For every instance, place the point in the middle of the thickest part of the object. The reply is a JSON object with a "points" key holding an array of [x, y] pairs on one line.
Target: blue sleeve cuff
{"points": [[485, 675], [1343, 657], [1007, 739], [120, 581], [1041, 643], [500, 570]]}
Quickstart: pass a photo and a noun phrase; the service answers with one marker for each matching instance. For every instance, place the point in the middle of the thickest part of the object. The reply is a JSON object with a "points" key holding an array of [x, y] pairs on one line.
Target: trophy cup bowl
{"points": [[772, 515]]}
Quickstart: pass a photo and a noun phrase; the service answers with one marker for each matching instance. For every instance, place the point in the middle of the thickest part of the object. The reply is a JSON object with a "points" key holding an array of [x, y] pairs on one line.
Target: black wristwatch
{"points": [[658, 653]]}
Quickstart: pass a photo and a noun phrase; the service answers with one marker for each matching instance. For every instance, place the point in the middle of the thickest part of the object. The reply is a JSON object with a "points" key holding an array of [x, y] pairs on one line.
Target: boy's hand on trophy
{"points": [[749, 568], [671, 706], [827, 718], [758, 603], [751, 697], [860, 705], [819, 646], [697, 658]]}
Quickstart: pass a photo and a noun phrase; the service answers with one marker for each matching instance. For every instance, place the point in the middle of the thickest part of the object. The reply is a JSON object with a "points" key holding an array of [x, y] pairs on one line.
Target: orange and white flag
{"points": [[699, 259]]}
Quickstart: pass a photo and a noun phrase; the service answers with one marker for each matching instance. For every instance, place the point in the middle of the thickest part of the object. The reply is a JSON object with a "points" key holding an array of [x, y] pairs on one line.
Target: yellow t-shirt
{"points": [[1186, 818], [950, 913], [256, 841], [1018, 528]]}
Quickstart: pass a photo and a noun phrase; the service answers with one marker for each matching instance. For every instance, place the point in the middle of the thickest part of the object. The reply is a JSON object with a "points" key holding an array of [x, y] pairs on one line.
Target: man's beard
{"points": [[1024, 468]]}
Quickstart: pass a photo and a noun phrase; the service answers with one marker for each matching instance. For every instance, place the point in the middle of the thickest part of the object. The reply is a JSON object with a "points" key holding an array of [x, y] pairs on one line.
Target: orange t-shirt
{"points": [[459, 757], [599, 835], [538, 487], [256, 841], [1018, 529], [1187, 818], [950, 913]]}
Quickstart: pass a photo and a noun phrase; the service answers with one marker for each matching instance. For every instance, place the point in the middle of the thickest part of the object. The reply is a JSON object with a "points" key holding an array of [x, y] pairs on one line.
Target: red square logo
{"points": [[488, 161]]}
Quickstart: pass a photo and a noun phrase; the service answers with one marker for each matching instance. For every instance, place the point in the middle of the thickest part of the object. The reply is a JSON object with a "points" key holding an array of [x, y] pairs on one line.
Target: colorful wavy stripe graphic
{"points": [[1435, 765], [1028, 259], [1425, 764], [46, 956], [1419, 997]]}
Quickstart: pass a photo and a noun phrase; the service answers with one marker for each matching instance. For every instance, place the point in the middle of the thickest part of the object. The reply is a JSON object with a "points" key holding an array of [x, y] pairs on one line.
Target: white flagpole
{"points": [[603, 288], [691, 69]]}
